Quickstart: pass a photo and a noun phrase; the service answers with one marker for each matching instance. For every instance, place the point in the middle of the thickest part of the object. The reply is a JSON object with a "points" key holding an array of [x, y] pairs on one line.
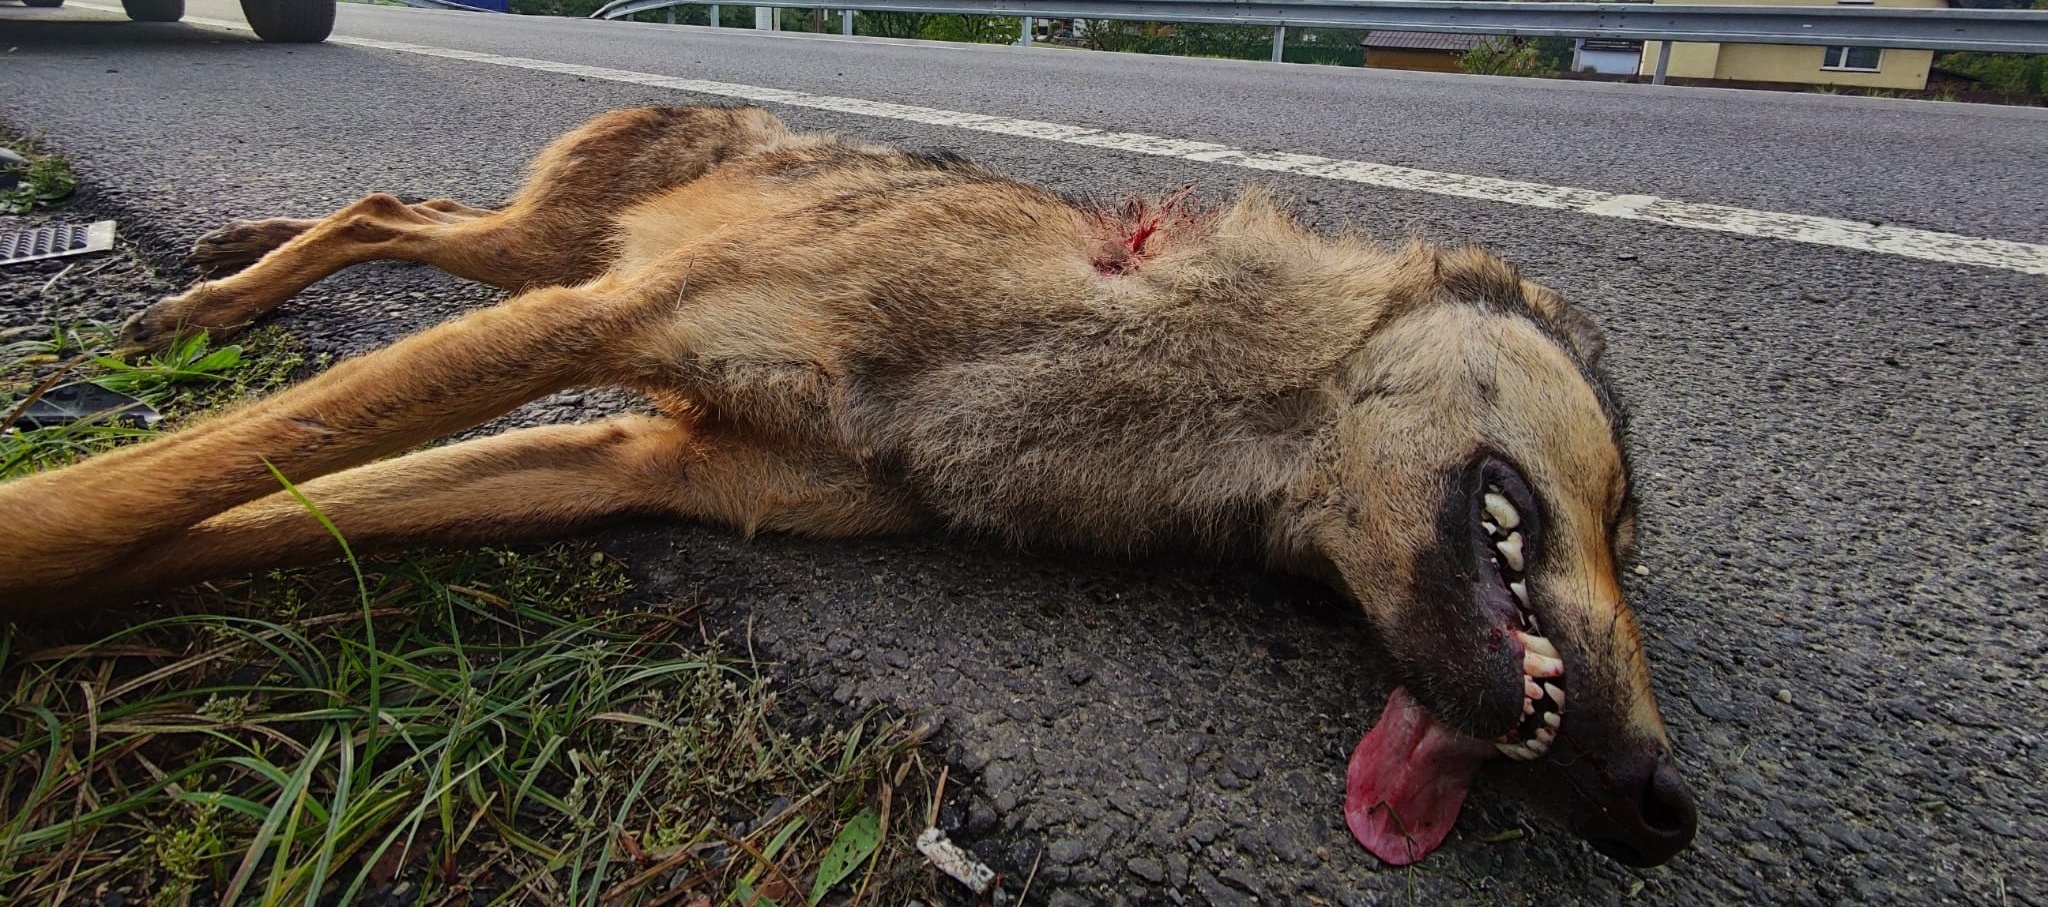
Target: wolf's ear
{"points": [[1577, 328], [1582, 333]]}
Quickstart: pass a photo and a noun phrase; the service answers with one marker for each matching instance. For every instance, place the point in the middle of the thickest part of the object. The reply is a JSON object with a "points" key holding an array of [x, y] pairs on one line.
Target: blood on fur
{"points": [[1129, 229]]}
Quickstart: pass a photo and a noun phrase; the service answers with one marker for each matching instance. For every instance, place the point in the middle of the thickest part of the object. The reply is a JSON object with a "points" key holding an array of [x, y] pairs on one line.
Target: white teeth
{"points": [[1540, 662], [1511, 548], [1536, 664], [1502, 512], [1520, 752], [1490, 528], [1521, 591]]}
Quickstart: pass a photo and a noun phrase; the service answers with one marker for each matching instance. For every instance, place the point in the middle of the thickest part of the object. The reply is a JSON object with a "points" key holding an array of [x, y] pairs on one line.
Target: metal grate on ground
{"points": [[17, 246]]}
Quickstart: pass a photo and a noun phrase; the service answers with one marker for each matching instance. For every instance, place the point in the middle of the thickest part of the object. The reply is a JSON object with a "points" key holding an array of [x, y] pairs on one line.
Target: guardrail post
{"points": [[670, 16], [1663, 60], [1024, 34], [846, 22], [1279, 42], [764, 18], [714, 15]]}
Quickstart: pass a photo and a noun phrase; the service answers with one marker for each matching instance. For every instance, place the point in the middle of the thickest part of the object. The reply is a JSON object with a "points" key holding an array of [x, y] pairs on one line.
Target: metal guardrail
{"points": [[448, 4], [1994, 31]]}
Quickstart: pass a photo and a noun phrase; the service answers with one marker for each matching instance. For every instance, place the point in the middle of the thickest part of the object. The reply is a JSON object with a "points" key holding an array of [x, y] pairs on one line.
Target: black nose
{"points": [[1668, 810], [1648, 819]]}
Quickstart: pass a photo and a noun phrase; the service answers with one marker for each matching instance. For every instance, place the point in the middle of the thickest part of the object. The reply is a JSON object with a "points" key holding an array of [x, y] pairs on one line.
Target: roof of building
{"points": [[1421, 40]]}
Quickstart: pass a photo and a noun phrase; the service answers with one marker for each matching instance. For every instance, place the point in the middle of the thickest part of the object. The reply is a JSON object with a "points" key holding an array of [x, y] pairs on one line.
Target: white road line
{"points": [[1927, 245]]}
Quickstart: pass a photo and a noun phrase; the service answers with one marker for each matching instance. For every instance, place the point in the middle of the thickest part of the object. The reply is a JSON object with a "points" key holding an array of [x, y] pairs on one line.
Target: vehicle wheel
{"points": [[154, 10], [290, 21], [45, 4]]}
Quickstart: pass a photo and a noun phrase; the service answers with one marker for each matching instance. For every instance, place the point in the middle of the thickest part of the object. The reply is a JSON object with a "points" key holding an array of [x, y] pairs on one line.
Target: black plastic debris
{"points": [[10, 165], [69, 404]]}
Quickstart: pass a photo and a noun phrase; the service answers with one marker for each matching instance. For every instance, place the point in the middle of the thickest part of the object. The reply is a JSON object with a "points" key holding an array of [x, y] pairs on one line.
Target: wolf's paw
{"points": [[242, 243], [175, 318]]}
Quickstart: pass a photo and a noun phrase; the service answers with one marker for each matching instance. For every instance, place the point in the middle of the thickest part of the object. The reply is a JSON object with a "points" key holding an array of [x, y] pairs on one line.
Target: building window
{"points": [[1852, 59]]}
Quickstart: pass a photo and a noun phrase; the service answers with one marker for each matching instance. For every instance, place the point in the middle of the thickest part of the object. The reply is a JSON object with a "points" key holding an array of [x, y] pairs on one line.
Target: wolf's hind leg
{"points": [[244, 242], [505, 249], [454, 210], [556, 231], [524, 484]]}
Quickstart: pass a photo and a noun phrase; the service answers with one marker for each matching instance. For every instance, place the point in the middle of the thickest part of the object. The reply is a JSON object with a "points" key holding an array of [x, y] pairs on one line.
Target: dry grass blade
{"points": [[37, 392]]}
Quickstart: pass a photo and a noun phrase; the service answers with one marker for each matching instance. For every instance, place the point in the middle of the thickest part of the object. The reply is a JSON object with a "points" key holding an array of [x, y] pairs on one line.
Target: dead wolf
{"points": [[847, 339]]}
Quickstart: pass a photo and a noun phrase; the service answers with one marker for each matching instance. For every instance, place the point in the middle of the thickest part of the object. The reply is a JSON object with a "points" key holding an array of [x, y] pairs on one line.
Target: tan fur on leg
{"points": [[65, 526]]}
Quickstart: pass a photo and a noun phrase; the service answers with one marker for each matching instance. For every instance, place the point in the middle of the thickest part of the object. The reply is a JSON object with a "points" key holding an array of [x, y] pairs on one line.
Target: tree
{"points": [[2007, 74], [1117, 36], [1504, 57], [975, 29], [895, 25]]}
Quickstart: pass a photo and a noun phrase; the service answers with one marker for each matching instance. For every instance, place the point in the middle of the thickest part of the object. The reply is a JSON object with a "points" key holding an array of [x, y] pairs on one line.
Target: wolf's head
{"points": [[1474, 498]]}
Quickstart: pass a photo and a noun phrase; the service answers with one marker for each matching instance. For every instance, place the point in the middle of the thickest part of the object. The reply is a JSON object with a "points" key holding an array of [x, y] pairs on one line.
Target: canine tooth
{"points": [[1520, 752], [1539, 645], [1521, 591], [1536, 664], [1556, 694], [1503, 512], [1530, 690], [1511, 548], [1551, 719]]}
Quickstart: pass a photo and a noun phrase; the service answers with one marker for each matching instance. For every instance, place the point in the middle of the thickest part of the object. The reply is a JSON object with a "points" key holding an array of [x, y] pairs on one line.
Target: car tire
{"points": [[290, 21], [154, 10], [43, 4]]}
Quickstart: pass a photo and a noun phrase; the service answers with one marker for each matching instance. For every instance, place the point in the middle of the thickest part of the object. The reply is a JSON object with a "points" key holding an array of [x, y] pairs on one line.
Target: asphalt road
{"points": [[1841, 453]]}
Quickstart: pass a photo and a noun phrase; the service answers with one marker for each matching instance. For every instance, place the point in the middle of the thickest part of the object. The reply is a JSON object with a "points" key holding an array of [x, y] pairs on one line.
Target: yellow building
{"points": [[1862, 67]]}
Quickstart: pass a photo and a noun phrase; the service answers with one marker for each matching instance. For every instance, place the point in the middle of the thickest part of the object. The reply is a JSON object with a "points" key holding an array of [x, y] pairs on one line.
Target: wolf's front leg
{"points": [[60, 529]]}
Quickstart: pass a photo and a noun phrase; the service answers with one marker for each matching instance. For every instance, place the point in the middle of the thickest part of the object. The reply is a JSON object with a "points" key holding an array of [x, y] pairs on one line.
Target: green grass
{"points": [[185, 380], [501, 727], [470, 736], [47, 177]]}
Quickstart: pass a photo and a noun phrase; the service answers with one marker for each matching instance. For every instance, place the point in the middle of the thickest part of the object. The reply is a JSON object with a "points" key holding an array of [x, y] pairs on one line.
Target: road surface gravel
{"points": [[1840, 454]]}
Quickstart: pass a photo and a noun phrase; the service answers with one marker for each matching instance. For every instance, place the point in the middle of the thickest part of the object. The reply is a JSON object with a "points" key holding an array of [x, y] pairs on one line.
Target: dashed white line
{"points": [[1926, 245]]}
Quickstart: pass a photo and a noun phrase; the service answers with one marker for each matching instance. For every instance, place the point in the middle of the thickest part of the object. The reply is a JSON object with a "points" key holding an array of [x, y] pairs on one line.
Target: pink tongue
{"points": [[1407, 780]]}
